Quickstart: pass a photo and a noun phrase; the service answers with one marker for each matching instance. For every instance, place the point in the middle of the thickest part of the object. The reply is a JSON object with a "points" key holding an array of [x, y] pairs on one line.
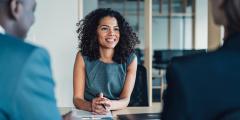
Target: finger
{"points": [[103, 99], [103, 112], [98, 107], [101, 108], [107, 109], [101, 102], [94, 100], [100, 111], [94, 113], [95, 106], [99, 99], [106, 103], [95, 109]]}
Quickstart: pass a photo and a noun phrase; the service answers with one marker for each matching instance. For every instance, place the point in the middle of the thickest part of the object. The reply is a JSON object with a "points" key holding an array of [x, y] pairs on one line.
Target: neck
{"points": [[4, 22], [106, 55], [9, 27]]}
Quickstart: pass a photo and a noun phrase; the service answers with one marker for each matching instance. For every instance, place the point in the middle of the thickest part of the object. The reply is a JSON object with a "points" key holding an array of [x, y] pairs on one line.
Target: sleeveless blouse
{"points": [[107, 78]]}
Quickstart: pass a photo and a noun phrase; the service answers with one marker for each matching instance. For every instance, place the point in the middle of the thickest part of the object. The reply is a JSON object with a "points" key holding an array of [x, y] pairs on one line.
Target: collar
{"points": [[2, 31]]}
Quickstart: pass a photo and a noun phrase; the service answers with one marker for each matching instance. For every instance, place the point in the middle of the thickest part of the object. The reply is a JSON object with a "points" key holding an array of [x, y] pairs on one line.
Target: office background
{"points": [[55, 29]]}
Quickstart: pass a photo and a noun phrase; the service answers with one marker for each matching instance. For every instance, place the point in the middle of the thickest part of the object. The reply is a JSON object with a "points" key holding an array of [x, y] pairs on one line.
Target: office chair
{"points": [[191, 52], [140, 55], [139, 95], [161, 60], [163, 57]]}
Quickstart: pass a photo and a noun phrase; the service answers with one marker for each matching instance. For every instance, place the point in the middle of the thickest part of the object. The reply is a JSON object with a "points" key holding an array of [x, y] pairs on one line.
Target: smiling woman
{"points": [[108, 32], [106, 62]]}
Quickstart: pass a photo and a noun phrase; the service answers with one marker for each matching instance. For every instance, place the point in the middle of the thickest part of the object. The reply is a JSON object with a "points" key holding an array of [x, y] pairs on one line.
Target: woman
{"points": [[105, 66]]}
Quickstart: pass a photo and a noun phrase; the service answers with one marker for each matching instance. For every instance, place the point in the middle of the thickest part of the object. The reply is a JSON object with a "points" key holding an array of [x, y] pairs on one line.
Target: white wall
{"points": [[55, 29]]}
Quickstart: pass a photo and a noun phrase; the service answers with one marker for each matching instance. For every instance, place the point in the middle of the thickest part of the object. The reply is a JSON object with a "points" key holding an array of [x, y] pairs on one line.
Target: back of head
{"points": [[3, 7], [232, 12], [17, 16]]}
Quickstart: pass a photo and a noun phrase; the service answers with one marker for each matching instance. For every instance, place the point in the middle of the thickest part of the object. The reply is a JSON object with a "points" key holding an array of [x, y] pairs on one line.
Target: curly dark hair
{"points": [[88, 41]]}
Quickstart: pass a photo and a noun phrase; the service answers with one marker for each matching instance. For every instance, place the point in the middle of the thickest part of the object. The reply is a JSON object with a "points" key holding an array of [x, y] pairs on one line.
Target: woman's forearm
{"points": [[119, 104], [82, 104]]}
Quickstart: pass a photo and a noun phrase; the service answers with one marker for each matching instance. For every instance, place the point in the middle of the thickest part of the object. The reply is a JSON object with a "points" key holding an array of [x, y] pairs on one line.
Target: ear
{"points": [[15, 9]]}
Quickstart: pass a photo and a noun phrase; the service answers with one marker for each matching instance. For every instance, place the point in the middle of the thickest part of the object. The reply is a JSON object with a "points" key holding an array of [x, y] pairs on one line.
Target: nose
{"points": [[111, 32]]}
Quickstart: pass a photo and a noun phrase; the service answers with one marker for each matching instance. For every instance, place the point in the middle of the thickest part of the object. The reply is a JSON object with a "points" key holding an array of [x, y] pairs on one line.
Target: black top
{"points": [[204, 86]]}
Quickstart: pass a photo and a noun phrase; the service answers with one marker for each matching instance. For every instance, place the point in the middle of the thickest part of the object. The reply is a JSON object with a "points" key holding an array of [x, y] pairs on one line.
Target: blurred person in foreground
{"points": [[26, 83], [206, 86]]}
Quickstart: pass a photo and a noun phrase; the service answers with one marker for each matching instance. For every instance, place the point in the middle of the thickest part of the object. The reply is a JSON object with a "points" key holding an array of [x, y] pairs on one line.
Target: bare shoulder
{"points": [[79, 60], [133, 64]]}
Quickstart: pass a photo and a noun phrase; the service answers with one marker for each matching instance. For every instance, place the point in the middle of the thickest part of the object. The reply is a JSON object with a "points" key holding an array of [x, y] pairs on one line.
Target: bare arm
{"points": [[79, 84], [127, 89], [79, 78]]}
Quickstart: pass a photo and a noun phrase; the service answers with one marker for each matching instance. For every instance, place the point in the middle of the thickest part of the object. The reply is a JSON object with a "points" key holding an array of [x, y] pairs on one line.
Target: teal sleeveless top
{"points": [[107, 78]]}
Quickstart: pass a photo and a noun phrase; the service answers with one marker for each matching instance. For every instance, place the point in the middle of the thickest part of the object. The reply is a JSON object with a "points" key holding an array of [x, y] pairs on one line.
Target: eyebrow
{"points": [[106, 26]]}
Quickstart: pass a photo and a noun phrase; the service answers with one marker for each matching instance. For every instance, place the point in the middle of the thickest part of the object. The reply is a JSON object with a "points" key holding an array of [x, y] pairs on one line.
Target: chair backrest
{"points": [[140, 55], [192, 51], [139, 95], [163, 57]]}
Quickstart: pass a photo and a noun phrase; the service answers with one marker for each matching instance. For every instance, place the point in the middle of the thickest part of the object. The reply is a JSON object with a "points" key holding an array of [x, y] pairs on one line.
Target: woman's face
{"points": [[108, 32]]}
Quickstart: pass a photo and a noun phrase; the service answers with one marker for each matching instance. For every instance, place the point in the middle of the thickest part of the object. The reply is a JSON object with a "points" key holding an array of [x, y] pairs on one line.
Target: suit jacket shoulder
{"points": [[26, 76], [13, 55], [196, 81]]}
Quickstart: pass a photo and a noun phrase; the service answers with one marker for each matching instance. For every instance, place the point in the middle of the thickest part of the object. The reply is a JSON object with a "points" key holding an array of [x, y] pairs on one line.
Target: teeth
{"points": [[110, 40]]}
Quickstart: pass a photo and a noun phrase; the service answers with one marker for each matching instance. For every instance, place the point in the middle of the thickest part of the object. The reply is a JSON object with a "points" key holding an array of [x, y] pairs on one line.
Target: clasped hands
{"points": [[101, 105]]}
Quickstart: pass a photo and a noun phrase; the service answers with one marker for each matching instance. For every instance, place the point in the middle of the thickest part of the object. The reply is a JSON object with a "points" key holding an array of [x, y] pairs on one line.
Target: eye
{"points": [[116, 29], [104, 29]]}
